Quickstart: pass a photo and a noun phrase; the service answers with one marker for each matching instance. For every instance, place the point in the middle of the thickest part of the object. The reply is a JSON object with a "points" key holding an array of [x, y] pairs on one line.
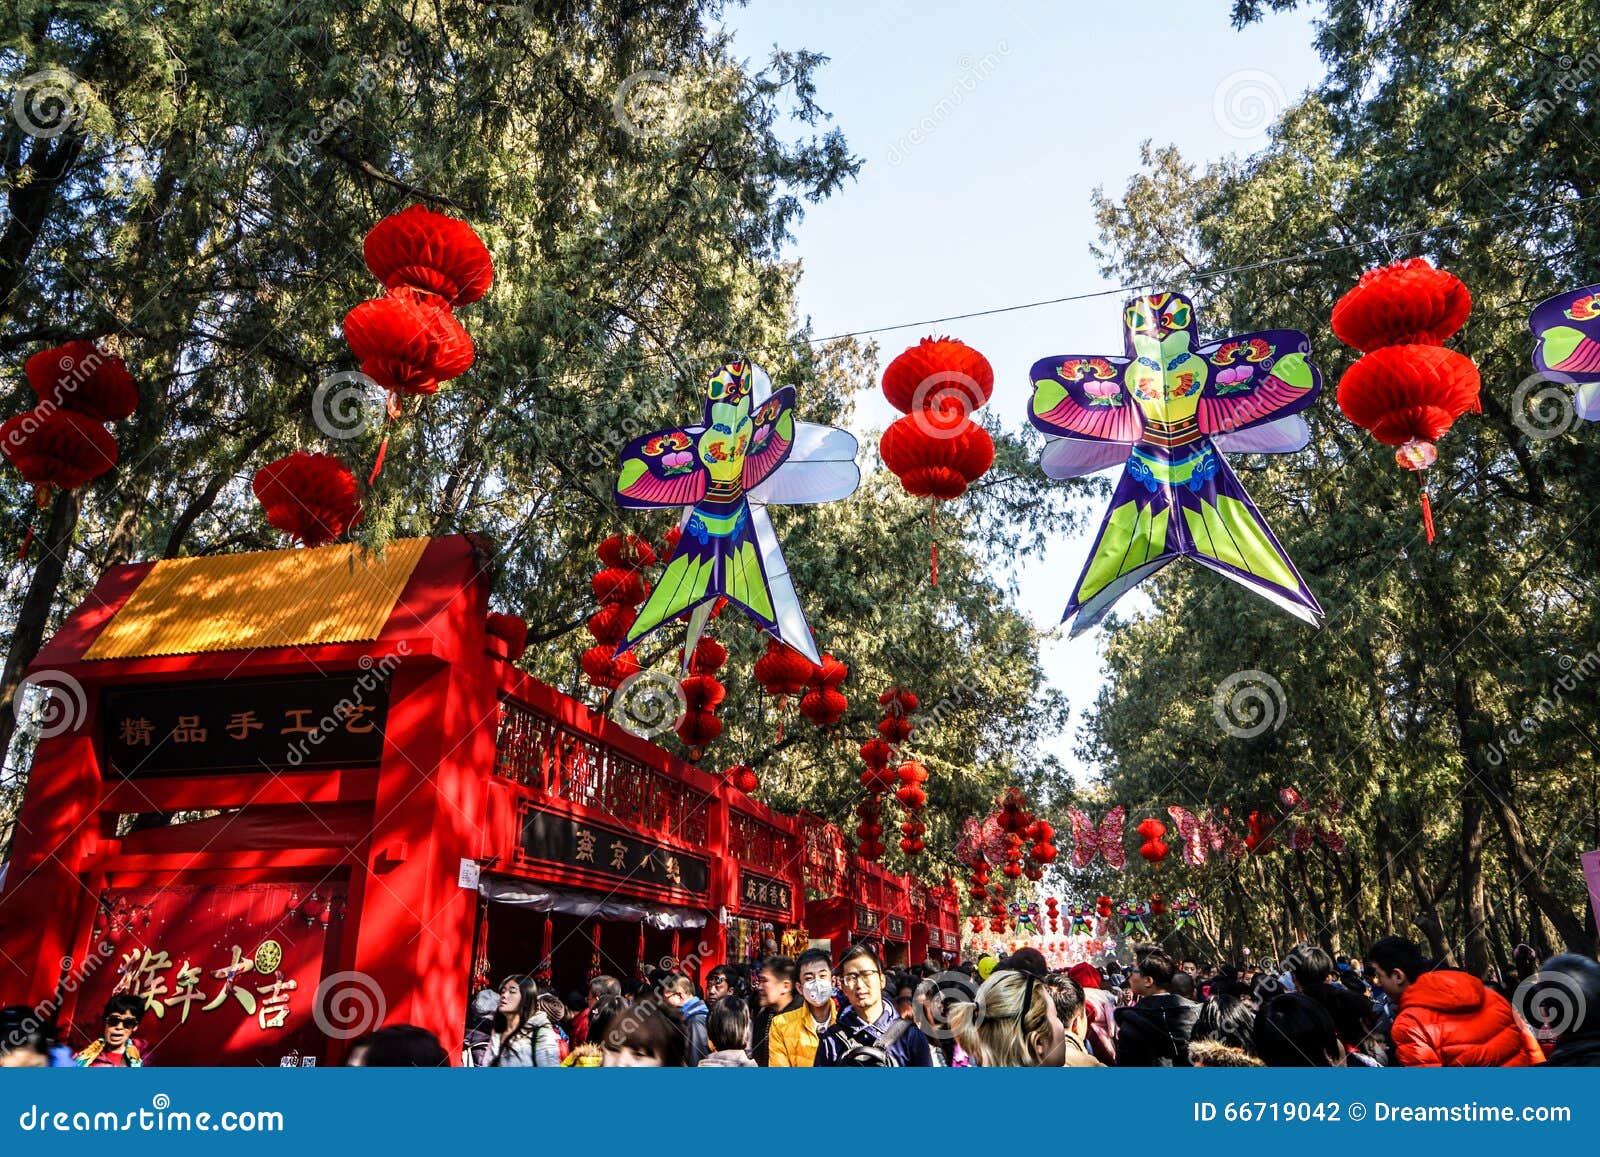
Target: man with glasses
{"points": [[870, 1033], [796, 1035], [116, 1047]]}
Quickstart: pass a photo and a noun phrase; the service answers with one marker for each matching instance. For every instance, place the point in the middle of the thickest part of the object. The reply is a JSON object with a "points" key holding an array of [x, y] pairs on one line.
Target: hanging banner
{"points": [[1591, 875], [555, 838], [231, 974]]}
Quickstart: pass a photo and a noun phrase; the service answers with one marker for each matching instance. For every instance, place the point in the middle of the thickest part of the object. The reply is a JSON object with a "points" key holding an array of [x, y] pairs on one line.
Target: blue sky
{"points": [[984, 129]]}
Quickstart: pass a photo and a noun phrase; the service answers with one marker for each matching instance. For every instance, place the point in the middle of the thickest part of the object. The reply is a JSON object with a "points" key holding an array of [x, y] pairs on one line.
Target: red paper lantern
{"points": [[877, 779], [871, 850], [310, 497], [876, 753], [913, 773], [824, 707], [1408, 303], [697, 728], [57, 448], [828, 673], [936, 453], [430, 252], [898, 702], [782, 670], [606, 669], [702, 693], [1153, 850], [913, 828], [1012, 870], [619, 585], [978, 892], [611, 622], [81, 377], [1043, 853], [624, 550], [910, 846], [407, 343], [895, 728], [937, 371], [1158, 906], [743, 777], [709, 656], [911, 797], [1033, 872], [1102, 906]]}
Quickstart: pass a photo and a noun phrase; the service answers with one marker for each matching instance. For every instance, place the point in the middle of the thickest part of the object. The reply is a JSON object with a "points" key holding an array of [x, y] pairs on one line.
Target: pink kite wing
{"points": [[1084, 838], [1111, 838], [1193, 845], [771, 437], [662, 469], [1255, 378], [1082, 396]]}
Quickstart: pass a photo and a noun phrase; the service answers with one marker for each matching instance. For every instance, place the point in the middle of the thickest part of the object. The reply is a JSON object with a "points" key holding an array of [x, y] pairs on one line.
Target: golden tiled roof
{"points": [[275, 598]]}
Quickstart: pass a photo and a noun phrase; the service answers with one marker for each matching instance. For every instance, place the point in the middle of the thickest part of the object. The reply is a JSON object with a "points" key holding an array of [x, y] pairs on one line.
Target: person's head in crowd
{"points": [[1190, 967], [1524, 961], [1294, 1031], [928, 1008], [814, 972], [723, 980], [601, 987], [553, 1007], [484, 1003], [1564, 1000], [1026, 960], [1310, 967], [1226, 1020], [397, 1046], [1182, 984], [1012, 1023], [1071, 1010], [24, 1039], [728, 1024], [645, 1034], [601, 1015], [121, 1018], [1397, 963], [775, 983], [519, 1000], [861, 978], [1353, 1016], [1153, 970]]}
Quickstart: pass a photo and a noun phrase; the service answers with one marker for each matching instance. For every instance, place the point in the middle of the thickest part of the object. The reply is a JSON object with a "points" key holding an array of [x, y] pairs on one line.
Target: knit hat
{"points": [[1086, 974]]}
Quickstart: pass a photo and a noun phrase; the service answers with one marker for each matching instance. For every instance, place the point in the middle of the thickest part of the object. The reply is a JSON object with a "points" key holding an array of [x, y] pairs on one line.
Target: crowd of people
{"points": [[1395, 1008]]}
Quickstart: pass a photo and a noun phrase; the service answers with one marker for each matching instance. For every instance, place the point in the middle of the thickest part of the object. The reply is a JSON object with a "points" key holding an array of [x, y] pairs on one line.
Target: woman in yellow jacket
{"points": [[795, 1035]]}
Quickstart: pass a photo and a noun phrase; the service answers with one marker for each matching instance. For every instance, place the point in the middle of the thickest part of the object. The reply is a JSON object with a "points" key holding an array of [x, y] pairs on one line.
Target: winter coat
{"points": [[793, 1040], [1155, 1032], [1450, 1019], [1574, 1051], [729, 1059], [533, 1044], [694, 1013]]}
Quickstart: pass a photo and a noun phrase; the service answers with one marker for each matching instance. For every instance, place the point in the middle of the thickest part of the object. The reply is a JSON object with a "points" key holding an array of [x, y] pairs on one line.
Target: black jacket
{"points": [[760, 1046], [1155, 1032], [1576, 1052]]}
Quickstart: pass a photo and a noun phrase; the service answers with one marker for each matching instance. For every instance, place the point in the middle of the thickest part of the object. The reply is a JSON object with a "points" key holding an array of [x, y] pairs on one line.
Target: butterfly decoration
{"points": [[1200, 835], [1106, 840], [1305, 823], [1185, 911]]}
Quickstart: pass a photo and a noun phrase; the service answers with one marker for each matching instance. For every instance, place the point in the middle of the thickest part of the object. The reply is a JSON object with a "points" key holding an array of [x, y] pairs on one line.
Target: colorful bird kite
{"points": [[1567, 327], [1168, 408], [748, 451]]}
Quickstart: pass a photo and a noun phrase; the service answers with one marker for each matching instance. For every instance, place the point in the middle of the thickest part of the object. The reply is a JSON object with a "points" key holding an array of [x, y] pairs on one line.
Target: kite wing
{"points": [[1256, 378], [1064, 458], [1567, 346], [1082, 396], [771, 437], [661, 469], [821, 467]]}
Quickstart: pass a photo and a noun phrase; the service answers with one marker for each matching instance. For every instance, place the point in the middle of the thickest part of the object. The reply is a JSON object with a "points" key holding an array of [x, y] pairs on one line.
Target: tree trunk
{"points": [[34, 613], [1472, 908]]}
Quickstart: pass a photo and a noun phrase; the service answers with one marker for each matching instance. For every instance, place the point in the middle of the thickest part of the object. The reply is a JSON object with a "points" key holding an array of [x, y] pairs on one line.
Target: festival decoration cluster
{"points": [[408, 341], [936, 450], [1208, 832], [1001, 840], [1167, 408], [885, 772], [1407, 389], [62, 443], [619, 587]]}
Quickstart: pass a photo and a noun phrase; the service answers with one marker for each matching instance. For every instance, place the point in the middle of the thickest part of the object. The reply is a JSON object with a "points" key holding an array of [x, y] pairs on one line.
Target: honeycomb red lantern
{"points": [[1102, 906], [626, 551], [936, 454], [1158, 906], [878, 779], [617, 584], [81, 377], [743, 777], [310, 497], [1032, 872], [935, 372], [913, 828], [606, 669], [406, 343], [611, 622], [1153, 849], [1407, 390], [895, 728], [828, 673], [870, 850], [824, 707], [708, 658], [1011, 870], [978, 892], [913, 773], [897, 701], [702, 693], [912, 797], [782, 670], [869, 830], [430, 252], [876, 753], [698, 728], [58, 449], [911, 846], [1043, 853]]}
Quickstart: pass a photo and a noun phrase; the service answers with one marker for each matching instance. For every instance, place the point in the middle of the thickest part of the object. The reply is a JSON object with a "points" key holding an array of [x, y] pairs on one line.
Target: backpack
{"points": [[876, 1055]]}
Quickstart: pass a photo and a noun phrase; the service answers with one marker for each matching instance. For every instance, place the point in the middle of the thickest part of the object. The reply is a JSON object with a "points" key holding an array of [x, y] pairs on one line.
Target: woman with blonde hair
{"points": [[1012, 1024]]}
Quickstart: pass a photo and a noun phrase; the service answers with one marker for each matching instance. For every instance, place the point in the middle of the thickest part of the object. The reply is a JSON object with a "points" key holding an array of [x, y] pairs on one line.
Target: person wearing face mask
{"points": [[795, 1035]]}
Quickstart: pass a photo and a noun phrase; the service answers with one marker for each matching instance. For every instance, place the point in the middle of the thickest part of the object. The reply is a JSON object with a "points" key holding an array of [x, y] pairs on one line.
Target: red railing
{"points": [[759, 844], [540, 753], [826, 862]]}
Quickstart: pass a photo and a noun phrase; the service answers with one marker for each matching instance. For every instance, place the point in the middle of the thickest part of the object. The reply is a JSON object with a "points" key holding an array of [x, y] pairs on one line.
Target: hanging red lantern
{"points": [[1158, 906], [702, 692], [606, 669], [743, 777], [913, 774], [697, 729], [430, 252], [611, 622], [895, 728], [310, 497], [1032, 872], [1407, 390], [870, 808], [81, 377], [619, 585], [877, 779], [1102, 907], [624, 550], [1153, 849], [896, 701], [782, 670], [1012, 870], [937, 371], [407, 343], [911, 797], [871, 850], [1043, 853], [57, 449], [911, 846], [876, 753], [823, 705], [913, 828], [708, 658]]}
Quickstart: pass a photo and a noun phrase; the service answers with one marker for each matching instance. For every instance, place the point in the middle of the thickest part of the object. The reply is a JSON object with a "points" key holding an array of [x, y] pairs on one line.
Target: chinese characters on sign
{"points": [[144, 972], [897, 928], [573, 843], [281, 725], [866, 919], [765, 892]]}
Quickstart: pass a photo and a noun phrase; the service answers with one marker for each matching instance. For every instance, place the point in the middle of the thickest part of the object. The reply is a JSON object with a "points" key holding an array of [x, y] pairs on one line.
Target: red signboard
{"points": [[230, 973]]}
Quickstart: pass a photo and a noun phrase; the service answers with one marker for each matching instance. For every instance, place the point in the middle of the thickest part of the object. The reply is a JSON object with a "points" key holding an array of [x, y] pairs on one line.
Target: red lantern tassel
{"points": [[377, 463], [27, 541], [1427, 512], [933, 530]]}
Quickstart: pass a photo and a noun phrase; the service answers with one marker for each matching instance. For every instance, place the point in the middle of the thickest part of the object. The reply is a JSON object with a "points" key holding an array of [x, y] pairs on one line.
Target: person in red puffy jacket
{"points": [[1448, 1017]]}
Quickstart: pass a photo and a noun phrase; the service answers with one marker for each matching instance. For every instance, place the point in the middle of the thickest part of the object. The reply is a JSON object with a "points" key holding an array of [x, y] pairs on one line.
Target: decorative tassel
{"points": [[933, 530], [1427, 514], [27, 541], [377, 464]]}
